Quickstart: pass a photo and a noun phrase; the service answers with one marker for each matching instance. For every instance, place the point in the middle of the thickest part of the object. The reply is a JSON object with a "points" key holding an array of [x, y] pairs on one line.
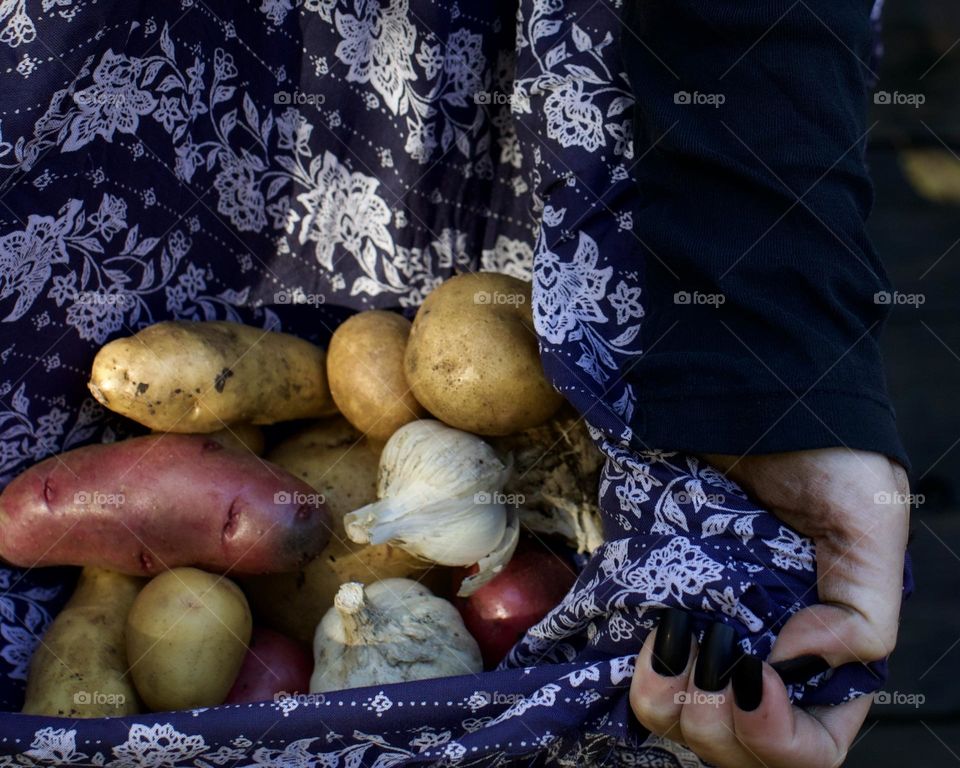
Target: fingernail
{"points": [[671, 649], [717, 658], [748, 683], [800, 669]]}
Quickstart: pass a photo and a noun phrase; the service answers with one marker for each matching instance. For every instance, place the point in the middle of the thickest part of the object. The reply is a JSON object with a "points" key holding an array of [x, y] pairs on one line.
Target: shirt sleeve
{"points": [[765, 297]]}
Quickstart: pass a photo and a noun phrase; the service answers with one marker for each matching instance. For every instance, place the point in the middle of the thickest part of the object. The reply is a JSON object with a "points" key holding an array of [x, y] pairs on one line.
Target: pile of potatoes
{"points": [[163, 615]]}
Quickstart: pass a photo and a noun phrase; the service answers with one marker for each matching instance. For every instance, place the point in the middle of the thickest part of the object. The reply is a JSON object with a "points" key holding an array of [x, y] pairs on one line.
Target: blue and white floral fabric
{"points": [[288, 162]]}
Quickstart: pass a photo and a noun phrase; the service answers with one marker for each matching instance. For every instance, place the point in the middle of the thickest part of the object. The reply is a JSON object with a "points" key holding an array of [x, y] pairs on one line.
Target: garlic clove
{"points": [[490, 565], [456, 531]]}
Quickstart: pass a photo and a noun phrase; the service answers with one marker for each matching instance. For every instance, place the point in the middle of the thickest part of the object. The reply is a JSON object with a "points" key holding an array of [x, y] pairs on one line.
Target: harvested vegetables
{"points": [[143, 505], [440, 499], [341, 466], [80, 668], [187, 634], [196, 377], [433, 495], [392, 631], [365, 369]]}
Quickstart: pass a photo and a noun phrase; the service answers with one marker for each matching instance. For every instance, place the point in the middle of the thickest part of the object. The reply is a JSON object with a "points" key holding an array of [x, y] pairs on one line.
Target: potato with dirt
{"points": [[365, 370], [338, 463], [80, 669], [472, 358], [187, 635], [143, 505], [195, 377]]}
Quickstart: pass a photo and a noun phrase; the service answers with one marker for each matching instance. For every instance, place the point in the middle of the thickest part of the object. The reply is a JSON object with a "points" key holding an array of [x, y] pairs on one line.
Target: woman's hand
{"points": [[853, 504]]}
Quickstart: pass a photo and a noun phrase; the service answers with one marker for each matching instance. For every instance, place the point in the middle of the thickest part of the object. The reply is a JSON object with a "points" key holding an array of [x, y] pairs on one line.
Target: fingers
{"points": [[732, 710], [662, 674], [779, 735], [706, 720]]}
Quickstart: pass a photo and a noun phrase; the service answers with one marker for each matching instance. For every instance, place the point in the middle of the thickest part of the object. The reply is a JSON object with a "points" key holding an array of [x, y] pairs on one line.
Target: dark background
{"points": [[915, 159]]}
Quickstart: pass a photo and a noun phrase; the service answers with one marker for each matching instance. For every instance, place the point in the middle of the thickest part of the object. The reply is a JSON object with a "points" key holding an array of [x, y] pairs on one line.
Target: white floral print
{"points": [[568, 294], [240, 196], [158, 746], [509, 256], [378, 45], [343, 208], [791, 551], [113, 103]]}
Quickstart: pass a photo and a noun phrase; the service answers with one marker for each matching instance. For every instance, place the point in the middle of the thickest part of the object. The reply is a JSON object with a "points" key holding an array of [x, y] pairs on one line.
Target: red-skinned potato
{"points": [[143, 505], [274, 664], [527, 589]]}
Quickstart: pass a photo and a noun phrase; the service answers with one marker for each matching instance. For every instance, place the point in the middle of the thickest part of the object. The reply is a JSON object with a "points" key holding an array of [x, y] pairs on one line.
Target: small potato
{"points": [[80, 669], [187, 635], [196, 377], [274, 665], [365, 370], [333, 458], [472, 357]]}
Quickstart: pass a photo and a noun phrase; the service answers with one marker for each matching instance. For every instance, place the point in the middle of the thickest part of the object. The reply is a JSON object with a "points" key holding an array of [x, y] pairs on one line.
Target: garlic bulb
{"points": [[391, 631], [439, 491]]}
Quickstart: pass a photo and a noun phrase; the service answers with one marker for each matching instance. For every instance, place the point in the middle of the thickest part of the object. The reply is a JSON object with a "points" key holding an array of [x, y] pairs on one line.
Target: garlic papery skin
{"points": [[438, 490], [391, 631], [490, 565]]}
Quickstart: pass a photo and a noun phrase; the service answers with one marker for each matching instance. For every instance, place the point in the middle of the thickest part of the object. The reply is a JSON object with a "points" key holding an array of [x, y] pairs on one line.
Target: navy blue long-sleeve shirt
{"points": [[765, 296]]}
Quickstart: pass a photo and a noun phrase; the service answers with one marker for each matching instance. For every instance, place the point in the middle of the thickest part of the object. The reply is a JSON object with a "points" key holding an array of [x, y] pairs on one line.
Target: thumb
{"points": [[859, 587]]}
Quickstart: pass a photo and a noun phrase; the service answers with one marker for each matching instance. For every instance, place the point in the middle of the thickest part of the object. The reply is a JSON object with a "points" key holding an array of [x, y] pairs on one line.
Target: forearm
{"points": [[754, 201]]}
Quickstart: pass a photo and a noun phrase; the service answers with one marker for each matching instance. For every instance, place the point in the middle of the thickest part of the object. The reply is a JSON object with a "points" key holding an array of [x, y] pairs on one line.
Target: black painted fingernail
{"points": [[748, 683], [718, 655], [671, 649], [800, 669]]}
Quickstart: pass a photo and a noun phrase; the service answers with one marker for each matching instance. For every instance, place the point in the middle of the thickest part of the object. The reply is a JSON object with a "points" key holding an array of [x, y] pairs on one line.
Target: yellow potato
{"points": [[333, 458], [80, 668], [472, 357], [187, 634], [196, 377], [365, 369]]}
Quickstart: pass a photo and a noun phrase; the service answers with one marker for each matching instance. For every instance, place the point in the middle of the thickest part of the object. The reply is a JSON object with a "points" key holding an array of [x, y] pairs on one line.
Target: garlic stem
{"points": [[356, 615]]}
